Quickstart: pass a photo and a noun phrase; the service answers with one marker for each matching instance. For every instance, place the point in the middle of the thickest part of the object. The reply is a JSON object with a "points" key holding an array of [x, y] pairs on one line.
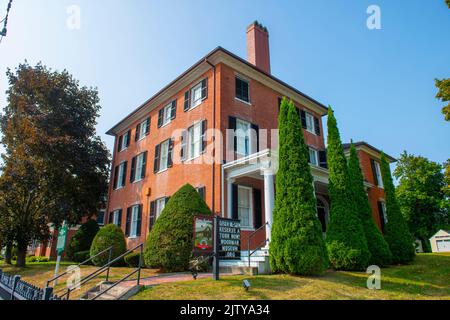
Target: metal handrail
{"points": [[250, 237], [81, 264], [115, 284], [106, 267]]}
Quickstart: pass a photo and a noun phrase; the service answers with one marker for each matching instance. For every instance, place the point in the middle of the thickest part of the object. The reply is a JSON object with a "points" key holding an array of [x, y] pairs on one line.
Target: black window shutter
{"points": [[256, 129], [139, 221], [204, 128], [128, 223], [167, 200], [317, 125], [235, 210], [170, 155], [187, 100], [202, 192], [119, 146], [303, 116], [133, 169], [374, 171], [116, 177], [128, 138], [173, 110], [152, 215], [183, 150], [204, 89], [147, 126], [111, 216], [124, 178], [381, 213], [160, 118], [138, 131], [144, 165], [323, 162], [257, 199], [119, 218], [157, 155], [232, 126]]}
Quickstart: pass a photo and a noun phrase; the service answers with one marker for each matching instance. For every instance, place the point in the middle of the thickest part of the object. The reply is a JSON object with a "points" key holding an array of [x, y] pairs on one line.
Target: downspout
{"points": [[214, 138]]}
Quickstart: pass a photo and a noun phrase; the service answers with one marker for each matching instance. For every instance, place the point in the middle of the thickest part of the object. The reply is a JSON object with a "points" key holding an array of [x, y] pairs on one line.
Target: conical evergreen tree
{"points": [[346, 242], [397, 233], [379, 249], [297, 245]]}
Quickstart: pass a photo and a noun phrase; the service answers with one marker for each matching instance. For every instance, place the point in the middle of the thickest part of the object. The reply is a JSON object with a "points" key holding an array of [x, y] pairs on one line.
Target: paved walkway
{"points": [[168, 278]]}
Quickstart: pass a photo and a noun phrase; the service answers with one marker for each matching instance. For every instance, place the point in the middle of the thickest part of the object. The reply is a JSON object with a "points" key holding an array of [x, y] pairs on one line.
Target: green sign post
{"points": [[60, 246]]}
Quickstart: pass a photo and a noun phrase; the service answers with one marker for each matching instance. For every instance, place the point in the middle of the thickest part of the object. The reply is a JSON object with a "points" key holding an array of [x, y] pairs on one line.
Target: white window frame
{"points": [[316, 156], [139, 167], [383, 207], [124, 146], [143, 126], [248, 84], [197, 88], [120, 175], [160, 205], [116, 217], [246, 136], [378, 173], [167, 115], [163, 166], [194, 142], [104, 216], [134, 220], [250, 226], [310, 123]]}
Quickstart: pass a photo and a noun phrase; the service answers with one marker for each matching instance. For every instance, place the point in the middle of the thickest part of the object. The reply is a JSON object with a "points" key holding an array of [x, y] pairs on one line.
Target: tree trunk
{"points": [[21, 255], [8, 254]]}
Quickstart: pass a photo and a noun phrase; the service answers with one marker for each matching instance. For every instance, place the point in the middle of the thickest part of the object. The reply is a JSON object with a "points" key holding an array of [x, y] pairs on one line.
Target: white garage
{"points": [[440, 242]]}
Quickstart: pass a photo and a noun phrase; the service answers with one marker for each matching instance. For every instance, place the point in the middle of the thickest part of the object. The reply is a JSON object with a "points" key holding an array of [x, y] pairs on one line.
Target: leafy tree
{"points": [[397, 234], [297, 244], [108, 236], [379, 249], [346, 241], [55, 166], [170, 243], [448, 3], [82, 239], [444, 95], [421, 196]]}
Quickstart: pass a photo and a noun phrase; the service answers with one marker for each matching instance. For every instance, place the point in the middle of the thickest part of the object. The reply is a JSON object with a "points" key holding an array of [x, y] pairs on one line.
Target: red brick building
{"points": [[225, 109]]}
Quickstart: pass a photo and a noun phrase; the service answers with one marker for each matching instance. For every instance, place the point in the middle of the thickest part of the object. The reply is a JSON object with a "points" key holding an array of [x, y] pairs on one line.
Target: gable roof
{"points": [[361, 144], [205, 60]]}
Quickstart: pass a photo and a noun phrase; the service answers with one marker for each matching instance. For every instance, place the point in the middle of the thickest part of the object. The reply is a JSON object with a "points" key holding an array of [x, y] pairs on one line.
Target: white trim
{"points": [[250, 226]]}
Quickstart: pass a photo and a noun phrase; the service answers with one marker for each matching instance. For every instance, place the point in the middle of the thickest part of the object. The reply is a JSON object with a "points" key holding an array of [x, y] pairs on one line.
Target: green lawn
{"points": [[427, 278]]}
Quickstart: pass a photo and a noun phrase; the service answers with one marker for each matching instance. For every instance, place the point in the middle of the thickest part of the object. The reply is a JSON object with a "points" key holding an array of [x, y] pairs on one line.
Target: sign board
{"points": [[62, 236], [203, 235], [229, 238]]}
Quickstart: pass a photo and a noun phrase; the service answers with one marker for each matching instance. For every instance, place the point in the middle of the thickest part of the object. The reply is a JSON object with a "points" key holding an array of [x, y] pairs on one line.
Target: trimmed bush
{"points": [[170, 243], [110, 235], [396, 232], [82, 239], [132, 259], [82, 256], [378, 247], [346, 242], [297, 245]]}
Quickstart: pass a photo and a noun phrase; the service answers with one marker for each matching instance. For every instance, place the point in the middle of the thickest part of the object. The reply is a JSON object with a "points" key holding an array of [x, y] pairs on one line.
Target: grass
{"points": [[38, 274], [427, 278]]}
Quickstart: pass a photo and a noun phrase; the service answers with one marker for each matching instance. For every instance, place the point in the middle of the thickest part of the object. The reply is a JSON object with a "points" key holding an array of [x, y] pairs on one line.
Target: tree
{"points": [[396, 233], [444, 95], [379, 249], [448, 3], [55, 166], [346, 242], [421, 196], [297, 245], [108, 236], [82, 239], [170, 243]]}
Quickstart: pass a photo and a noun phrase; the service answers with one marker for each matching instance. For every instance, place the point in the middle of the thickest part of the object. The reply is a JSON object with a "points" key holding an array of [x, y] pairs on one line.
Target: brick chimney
{"points": [[258, 52]]}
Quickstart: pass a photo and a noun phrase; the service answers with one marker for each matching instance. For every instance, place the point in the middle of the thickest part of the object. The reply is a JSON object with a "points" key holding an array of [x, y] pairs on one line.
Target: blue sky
{"points": [[380, 82]]}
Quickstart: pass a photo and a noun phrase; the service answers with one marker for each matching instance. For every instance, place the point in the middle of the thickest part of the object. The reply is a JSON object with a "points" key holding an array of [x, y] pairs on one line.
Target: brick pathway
{"points": [[168, 278]]}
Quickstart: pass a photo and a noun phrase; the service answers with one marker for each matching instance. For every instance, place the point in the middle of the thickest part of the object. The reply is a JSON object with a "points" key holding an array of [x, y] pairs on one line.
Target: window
{"points": [[101, 217], [383, 207], [244, 207], [202, 192], [138, 167], [196, 95], [124, 141], [160, 205], [243, 137], [120, 175], [116, 218], [242, 90], [378, 174], [142, 129], [164, 155], [313, 157], [310, 123], [195, 140], [167, 114], [134, 221]]}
